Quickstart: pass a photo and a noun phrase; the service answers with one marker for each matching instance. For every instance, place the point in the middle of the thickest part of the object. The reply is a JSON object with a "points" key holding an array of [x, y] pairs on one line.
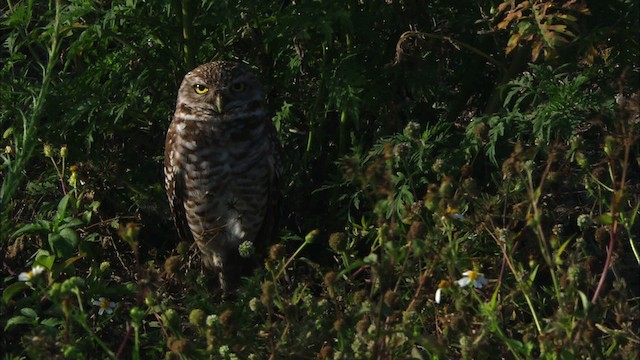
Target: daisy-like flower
{"points": [[472, 277], [28, 276], [452, 213], [104, 305], [441, 285]]}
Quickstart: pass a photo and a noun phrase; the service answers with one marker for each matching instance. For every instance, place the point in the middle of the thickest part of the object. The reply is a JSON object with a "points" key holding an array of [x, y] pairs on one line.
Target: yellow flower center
{"points": [[473, 275], [104, 304]]}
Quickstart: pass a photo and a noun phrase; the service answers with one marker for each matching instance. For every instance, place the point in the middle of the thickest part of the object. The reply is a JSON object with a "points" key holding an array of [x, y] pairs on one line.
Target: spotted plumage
{"points": [[221, 166]]}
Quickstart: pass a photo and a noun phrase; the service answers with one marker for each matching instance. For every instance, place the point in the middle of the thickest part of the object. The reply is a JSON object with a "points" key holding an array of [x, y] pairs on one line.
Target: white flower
{"points": [[104, 306], [224, 350], [35, 271], [211, 320], [441, 285], [438, 295], [452, 213], [477, 279]]}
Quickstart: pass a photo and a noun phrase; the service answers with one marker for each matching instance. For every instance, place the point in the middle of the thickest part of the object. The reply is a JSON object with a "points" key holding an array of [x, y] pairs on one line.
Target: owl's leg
{"points": [[232, 269]]}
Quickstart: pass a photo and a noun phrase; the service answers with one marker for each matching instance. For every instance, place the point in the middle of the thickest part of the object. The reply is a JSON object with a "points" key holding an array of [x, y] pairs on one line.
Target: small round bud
{"points": [[584, 221], [437, 165], [390, 298], [197, 317], [329, 281], [362, 325], [224, 350], [338, 324], [211, 320], [7, 133], [330, 278], [246, 249], [171, 318], [311, 235], [172, 264], [446, 187], [54, 291], [137, 314], [417, 230], [48, 152], [610, 146], [360, 296], [183, 248], [254, 303], [177, 346], [481, 132], [602, 234], [276, 252], [412, 130], [64, 151], [150, 299], [338, 241], [226, 318], [71, 284], [104, 266], [557, 229], [575, 273]]}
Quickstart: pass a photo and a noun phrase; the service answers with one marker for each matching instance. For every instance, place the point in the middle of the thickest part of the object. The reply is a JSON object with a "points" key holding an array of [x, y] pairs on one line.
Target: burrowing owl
{"points": [[221, 166]]}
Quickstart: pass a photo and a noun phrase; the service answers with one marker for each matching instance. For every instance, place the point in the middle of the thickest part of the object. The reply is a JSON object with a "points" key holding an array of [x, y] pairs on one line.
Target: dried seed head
{"points": [[338, 241], [417, 230], [172, 265], [276, 252], [390, 298], [226, 318]]}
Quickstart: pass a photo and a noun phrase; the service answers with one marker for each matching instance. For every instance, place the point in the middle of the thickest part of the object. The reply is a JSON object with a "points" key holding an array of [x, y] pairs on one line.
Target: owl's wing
{"points": [[177, 207], [175, 187]]}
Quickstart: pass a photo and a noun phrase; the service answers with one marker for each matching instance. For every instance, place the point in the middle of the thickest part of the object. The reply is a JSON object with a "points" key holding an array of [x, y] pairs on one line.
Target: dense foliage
{"points": [[462, 180]]}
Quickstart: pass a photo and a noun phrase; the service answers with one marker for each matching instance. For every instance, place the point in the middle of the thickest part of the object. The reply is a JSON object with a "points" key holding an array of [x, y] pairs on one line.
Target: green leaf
{"points": [[62, 208], [70, 261], [20, 16], [560, 250], [29, 312], [64, 243], [534, 273], [12, 290], [38, 226], [18, 320], [52, 322], [54, 239], [585, 301], [70, 223], [605, 219], [44, 258]]}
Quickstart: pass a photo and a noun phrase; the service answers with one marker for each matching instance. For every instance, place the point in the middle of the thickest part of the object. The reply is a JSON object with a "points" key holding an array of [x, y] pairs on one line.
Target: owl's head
{"points": [[218, 90]]}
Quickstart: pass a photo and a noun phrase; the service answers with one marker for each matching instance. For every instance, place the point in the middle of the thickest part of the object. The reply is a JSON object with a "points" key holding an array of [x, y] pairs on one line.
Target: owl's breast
{"points": [[225, 180]]}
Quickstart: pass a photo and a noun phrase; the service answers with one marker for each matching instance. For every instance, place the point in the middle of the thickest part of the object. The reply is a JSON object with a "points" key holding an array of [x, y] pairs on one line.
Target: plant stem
{"points": [[15, 173], [187, 34]]}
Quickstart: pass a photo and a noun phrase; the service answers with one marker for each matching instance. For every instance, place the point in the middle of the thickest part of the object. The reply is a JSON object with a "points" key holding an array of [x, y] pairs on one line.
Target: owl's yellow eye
{"points": [[237, 87], [200, 89]]}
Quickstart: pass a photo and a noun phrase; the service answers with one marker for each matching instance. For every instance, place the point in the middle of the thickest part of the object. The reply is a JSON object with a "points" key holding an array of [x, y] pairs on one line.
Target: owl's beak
{"points": [[219, 103]]}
